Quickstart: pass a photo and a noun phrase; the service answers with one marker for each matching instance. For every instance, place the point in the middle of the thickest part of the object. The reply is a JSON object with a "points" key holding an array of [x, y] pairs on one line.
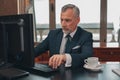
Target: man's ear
{"points": [[78, 20]]}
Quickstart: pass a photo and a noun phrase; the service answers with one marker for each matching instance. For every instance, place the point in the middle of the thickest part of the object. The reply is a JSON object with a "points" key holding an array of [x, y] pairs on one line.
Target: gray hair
{"points": [[71, 6]]}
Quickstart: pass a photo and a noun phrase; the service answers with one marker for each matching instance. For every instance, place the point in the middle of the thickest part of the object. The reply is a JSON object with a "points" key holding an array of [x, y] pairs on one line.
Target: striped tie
{"points": [[67, 43]]}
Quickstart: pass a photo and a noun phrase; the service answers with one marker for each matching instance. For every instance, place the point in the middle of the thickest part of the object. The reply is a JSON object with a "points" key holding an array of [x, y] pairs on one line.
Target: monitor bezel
{"points": [[28, 58]]}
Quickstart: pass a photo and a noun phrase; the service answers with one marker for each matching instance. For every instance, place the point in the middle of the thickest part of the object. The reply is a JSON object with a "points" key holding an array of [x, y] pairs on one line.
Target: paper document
{"points": [[117, 71]]}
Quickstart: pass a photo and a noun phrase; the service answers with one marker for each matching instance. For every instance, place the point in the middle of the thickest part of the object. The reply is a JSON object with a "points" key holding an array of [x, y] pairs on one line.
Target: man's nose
{"points": [[63, 23]]}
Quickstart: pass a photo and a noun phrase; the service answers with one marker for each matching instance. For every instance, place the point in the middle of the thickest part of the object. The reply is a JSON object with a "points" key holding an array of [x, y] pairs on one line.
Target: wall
{"points": [[8, 7]]}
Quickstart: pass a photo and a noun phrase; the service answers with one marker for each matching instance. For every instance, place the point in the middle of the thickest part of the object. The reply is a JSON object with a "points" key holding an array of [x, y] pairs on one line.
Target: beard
{"points": [[66, 31]]}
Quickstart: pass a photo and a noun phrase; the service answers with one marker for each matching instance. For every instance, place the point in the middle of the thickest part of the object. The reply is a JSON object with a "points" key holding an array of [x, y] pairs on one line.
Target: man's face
{"points": [[69, 21]]}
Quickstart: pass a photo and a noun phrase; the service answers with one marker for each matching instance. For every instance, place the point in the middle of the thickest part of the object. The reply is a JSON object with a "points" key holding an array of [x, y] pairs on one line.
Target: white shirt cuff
{"points": [[68, 60]]}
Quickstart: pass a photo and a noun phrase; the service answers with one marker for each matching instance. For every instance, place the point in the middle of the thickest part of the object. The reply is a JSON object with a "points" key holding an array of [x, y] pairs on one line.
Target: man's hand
{"points": [[56, 60]]}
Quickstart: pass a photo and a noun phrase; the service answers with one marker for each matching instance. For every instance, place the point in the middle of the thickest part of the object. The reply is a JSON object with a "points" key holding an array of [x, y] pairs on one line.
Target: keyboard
{"points": [[43, 67]]}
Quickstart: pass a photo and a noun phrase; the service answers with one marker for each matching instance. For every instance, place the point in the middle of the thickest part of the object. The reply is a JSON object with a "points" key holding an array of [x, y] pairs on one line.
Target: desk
{"points": [[80, 74]]}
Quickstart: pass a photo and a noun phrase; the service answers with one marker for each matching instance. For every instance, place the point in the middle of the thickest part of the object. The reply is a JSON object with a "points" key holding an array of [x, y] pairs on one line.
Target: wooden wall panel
{"points": [[107, 54], [8, 7], [104, 54], [11, 7]]}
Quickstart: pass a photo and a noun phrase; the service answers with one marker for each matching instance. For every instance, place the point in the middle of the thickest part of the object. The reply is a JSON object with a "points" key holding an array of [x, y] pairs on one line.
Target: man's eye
{"points": [[61, 19], [67, 20]]}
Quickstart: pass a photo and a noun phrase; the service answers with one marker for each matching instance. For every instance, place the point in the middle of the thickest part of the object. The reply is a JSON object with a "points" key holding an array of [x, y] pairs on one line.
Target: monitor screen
{"points": [[16, 39]]}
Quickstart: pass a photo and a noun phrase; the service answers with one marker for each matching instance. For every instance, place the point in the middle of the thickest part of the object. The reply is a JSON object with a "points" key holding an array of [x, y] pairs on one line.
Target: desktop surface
{"points": [[79, 74]]}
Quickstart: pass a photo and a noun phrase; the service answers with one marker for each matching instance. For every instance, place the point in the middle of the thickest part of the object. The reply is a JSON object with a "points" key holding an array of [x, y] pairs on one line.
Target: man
{"points": [[80, 43]]}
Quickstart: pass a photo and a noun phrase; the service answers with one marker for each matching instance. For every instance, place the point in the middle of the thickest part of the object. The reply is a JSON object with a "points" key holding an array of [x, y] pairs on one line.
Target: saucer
{"points": [[97, 68]]}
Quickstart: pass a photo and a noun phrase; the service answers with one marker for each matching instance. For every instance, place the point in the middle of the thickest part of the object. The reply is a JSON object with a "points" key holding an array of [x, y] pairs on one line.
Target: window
{"points": [[113, 16], [42, 18], [90, 18]]}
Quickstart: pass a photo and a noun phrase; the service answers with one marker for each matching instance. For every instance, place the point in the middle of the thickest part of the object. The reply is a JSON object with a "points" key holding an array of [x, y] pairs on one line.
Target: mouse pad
{"points": [[13, 73]]}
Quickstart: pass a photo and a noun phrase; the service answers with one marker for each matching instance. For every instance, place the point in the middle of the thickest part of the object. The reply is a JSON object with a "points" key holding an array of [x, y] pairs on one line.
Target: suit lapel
{"points": [[73, 42], [58, 41], [75, 39]]}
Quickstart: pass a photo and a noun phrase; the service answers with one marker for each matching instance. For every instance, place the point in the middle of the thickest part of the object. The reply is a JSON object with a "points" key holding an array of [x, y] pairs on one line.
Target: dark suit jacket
{"points": [[80, 48]]}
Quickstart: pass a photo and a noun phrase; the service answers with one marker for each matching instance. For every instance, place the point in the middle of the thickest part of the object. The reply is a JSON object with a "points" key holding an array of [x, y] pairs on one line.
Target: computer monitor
{"points": [[16, 39]]}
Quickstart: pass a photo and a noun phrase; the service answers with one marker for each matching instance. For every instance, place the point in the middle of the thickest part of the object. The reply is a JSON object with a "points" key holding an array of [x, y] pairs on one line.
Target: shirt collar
{"points": [[71, 34]]}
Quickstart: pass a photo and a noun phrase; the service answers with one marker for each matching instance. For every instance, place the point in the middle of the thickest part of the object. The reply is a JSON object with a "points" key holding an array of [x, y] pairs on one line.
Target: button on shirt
{"points": [[62, 49]]}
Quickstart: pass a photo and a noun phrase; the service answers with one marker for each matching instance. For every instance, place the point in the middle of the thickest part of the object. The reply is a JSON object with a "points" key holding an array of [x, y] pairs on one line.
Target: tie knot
{"points": [[68, 36]]}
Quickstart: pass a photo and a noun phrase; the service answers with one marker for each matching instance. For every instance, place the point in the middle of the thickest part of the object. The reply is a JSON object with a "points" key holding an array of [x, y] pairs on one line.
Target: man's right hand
{"points": [[56, 60]]}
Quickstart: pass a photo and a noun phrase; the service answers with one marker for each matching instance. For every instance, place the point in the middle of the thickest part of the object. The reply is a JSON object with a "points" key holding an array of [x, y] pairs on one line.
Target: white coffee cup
{"points": [[92, 61]]}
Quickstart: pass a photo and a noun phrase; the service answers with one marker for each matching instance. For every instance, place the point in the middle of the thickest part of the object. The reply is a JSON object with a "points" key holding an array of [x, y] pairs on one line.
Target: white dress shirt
{"points": [[62, 49]]}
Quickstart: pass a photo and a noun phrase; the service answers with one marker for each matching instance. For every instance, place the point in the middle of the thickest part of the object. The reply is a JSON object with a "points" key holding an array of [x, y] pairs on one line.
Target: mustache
{"points": [[64, 28]]}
